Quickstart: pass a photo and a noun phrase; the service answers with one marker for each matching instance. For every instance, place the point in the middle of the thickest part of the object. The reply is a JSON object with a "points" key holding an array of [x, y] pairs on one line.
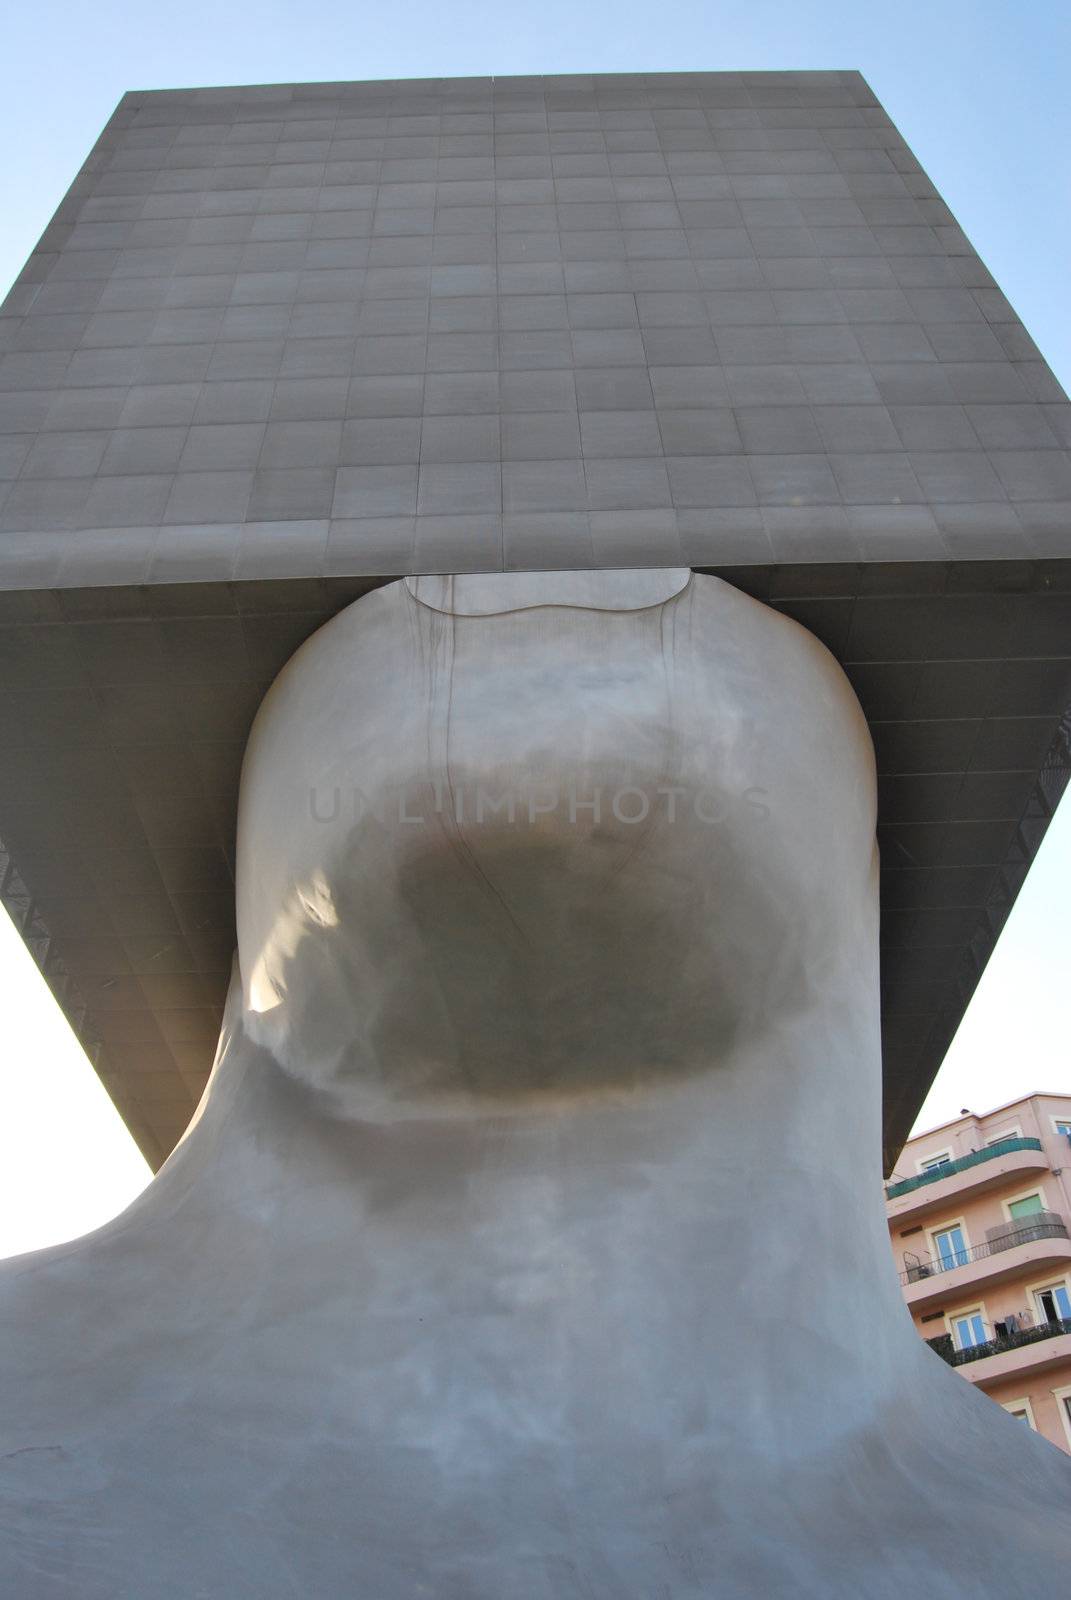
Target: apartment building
{"points": [[979, 1215]]}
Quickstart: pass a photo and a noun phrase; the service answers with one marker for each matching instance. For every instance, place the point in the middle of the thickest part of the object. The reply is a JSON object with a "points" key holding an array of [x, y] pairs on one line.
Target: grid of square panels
{"points": [[355, 328]]}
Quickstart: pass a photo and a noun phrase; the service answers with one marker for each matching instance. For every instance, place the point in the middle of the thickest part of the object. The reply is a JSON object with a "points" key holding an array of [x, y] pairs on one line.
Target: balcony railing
{"points": [[1041, 1225], [1005, 1147], [998, 1346]]}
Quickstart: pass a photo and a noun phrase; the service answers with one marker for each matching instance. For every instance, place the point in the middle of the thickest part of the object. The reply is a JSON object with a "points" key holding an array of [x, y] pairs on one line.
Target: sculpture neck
{"points": [[740, 1208]]}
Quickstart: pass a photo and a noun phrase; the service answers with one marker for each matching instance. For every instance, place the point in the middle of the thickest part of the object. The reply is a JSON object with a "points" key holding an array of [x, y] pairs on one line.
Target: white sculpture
{"points": [[529, 1241]]}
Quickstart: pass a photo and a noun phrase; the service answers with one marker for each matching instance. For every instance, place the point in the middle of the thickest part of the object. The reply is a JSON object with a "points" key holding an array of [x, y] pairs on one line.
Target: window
{"points": [[1009, 1133], [968, 1329], [1054, 1302], [1063, 1403], [1026, 1209], [1062, 1125], [1021, 1410], [943, 1158], [950, 1247]]}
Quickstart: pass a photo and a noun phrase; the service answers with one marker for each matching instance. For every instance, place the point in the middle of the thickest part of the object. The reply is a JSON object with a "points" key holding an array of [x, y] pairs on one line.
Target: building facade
{"points": [[980, 1220]]}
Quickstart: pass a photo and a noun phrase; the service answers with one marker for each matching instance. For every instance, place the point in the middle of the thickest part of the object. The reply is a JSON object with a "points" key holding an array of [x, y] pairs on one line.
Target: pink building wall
{"points": [[1004, 1283]]}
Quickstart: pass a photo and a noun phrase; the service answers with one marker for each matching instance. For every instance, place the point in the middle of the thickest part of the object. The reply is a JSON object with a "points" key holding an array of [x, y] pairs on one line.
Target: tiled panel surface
{"points": [[124, 712], [350, 328]]}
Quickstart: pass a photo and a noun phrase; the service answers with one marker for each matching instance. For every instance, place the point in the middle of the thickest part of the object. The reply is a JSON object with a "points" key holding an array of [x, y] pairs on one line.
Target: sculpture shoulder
{"points": [[29, 1283], [66, 1308], [47, 1308]]}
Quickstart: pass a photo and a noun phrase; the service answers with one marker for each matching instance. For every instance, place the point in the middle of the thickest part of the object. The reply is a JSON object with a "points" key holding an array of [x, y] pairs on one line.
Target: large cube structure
{"points": [[283, 343]]}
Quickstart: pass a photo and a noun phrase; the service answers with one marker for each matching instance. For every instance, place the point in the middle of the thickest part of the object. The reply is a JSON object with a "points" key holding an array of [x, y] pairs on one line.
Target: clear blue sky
{"points": [[979, 88]]}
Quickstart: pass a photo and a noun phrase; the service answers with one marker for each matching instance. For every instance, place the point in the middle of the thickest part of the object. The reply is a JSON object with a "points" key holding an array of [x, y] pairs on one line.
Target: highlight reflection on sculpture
{"points": [[515, 1250]]}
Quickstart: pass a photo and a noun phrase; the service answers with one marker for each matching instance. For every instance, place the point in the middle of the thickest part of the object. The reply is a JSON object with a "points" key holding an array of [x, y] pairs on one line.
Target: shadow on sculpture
{"points": [[528, 1241]]}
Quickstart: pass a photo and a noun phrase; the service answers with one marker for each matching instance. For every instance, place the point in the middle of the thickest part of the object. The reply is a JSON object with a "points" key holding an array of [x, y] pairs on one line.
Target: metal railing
{"points": [[1004, 1147], [916, 1268], [998, 1346]]}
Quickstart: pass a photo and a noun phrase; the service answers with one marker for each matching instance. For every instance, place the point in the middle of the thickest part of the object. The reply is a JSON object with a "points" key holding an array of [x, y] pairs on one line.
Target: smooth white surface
{"points": [[529, 1242]]}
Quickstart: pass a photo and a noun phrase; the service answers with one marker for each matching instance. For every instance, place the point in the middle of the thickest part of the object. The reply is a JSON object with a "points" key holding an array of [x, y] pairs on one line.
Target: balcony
{"points": [[1010, 1353], [970, 1174], [1035, 1243], [991, 1152]]}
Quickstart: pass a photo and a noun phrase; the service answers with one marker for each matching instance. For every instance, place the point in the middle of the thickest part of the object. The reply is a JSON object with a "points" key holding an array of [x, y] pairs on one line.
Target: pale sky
{"points": [[1013, 1039], [977, 87], [67, 1163]]}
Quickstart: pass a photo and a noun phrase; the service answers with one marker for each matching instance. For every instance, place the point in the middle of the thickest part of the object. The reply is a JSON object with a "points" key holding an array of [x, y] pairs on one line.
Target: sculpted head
{"points": [[509, 838]]}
